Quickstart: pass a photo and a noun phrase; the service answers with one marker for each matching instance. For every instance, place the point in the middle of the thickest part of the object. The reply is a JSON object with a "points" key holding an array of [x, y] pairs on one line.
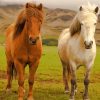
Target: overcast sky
{"points": [[66, 4]]}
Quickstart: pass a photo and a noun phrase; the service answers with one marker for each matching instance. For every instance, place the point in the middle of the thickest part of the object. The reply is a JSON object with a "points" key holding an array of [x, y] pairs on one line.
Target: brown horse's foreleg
{"points": [[9, 75], [32, 70], [65, 77], [86, 84], [20, 70]]}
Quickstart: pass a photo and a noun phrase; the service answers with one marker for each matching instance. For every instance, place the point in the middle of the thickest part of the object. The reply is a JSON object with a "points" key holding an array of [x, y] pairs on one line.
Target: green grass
{"points": [[2, 58], [2, 38], [48, 82]]}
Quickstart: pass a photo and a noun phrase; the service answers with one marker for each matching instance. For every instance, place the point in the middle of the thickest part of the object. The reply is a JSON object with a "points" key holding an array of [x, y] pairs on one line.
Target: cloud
{"points": [[66, 4]]}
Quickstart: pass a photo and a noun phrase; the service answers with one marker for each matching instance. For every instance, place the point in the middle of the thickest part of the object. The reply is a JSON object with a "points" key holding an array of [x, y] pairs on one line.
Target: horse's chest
{"points": [[28, 53], [82, 57], [34, 54], [79, 54]]}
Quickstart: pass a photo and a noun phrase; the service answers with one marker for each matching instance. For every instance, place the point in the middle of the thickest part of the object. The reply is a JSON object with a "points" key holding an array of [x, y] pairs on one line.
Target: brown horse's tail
{"points": [[13, 71]]}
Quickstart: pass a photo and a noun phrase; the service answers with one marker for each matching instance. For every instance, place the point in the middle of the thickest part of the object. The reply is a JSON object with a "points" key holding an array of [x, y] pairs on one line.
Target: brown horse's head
{"points": [[34, 19]]}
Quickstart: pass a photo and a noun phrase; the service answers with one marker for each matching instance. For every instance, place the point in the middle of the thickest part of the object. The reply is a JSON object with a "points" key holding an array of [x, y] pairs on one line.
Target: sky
{"points": [[66, 4]]}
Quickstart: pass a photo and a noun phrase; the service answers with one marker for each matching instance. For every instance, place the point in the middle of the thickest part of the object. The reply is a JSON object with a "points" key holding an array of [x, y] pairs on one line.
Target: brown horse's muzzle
{"points": [[33, 41]]}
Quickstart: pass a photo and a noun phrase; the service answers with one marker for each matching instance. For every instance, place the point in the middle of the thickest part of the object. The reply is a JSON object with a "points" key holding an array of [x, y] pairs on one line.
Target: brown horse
{"points": [[24, 46]]}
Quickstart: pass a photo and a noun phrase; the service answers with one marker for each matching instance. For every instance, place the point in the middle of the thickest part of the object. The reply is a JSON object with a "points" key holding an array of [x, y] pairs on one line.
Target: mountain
{"points": [[55, 20], [8, 14]]}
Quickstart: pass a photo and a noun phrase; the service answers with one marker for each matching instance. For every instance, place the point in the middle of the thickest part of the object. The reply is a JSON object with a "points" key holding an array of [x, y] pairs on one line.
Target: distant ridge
{"points": [[55, 20], [52, 16]]}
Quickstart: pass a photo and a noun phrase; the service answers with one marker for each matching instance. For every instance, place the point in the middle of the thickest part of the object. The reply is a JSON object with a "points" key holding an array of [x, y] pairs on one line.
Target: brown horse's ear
{"points": [[40, 6], [81, 8], [27, 5], [96, 10]]}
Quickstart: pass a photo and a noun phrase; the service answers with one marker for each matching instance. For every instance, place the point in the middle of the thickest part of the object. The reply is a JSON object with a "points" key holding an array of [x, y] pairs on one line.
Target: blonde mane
{"points": [[75, 26], [88, 10]]}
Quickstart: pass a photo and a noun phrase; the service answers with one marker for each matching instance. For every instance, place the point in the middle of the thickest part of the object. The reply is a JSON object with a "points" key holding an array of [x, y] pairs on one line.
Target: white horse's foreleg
{"points": [[65, 76], [86, 81], [73, 80]]}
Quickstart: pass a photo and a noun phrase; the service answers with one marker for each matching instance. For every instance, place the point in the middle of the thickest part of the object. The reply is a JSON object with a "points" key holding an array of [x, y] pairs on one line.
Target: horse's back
{"points": [[9, 34], [9, 30], [62, 44], [64, 32], [63, 37]]}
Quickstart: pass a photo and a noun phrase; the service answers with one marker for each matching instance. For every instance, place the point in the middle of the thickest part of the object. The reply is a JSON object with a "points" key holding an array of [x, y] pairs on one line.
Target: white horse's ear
{"points": [[81, 8], [96, 10]]}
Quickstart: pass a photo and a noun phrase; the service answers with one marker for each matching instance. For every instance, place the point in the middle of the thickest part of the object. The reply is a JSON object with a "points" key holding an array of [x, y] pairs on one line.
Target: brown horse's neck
{"points": [[23, 38], [25, 34]]}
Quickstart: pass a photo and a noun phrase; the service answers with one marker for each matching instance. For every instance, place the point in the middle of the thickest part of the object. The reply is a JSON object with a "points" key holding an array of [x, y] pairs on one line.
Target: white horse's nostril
{"points": [[91, 42], [88, 45]]}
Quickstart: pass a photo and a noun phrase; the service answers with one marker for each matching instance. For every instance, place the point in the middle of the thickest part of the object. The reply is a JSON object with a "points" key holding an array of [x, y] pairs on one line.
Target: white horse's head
{"points": [[85, 24]]}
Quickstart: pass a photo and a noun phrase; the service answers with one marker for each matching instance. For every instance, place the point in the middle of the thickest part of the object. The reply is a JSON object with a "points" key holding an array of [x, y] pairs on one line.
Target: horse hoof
{"points": [[76, 91], [72, 98], [24, 90], [30, 98], [66, 91], [86, 98], [8, 90], [20, 99]]}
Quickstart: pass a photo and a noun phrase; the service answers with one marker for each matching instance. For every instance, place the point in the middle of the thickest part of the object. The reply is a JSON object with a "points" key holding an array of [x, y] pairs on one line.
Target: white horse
{"points": [[76, 47]]}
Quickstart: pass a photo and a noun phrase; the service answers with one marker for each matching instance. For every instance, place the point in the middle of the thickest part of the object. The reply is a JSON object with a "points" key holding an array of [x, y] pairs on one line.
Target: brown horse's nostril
{"points": [[30, 38], [88, 45], [33, 40]]}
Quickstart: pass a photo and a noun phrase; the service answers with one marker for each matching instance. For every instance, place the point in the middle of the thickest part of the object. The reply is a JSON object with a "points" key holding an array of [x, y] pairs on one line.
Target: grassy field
{"points": [[48, 82]]}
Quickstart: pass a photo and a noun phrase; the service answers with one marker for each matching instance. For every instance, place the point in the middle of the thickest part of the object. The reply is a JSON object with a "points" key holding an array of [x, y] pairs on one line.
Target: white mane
{"points": [[89, 7], [86, 10]]}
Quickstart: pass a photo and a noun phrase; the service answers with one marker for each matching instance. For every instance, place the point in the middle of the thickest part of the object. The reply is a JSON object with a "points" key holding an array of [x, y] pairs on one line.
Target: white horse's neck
{"points": [[78, 42]]}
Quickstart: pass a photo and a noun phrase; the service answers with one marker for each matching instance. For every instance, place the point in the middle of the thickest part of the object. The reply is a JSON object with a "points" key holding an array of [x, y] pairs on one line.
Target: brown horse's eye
{"points": [[40, 20]]}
